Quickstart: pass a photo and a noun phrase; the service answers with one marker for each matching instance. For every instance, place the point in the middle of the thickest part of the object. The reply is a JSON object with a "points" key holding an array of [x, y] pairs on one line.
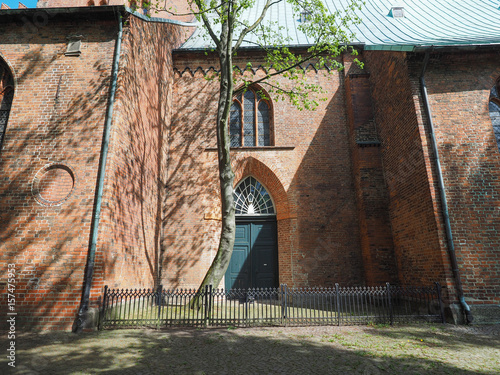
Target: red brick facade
{"points": [[371, 192], [307, 172], [50, 157], [470, 161], [458, 86], [55, 126], [353, 182], [134, 196]]}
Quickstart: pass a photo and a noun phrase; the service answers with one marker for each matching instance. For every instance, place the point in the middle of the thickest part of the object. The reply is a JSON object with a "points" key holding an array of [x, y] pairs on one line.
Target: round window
{"points": [[53, 184]]}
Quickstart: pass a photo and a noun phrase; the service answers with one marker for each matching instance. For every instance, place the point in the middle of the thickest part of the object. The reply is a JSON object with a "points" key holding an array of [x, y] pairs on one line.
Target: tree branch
{"points": [[277, 88], [207, 24], [269, 3], [278, 72], [192, 13]]}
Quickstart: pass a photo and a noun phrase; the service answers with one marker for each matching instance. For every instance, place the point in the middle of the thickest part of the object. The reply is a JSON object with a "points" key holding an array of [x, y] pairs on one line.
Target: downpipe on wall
{"points": [[89, 270], [449, 235]]}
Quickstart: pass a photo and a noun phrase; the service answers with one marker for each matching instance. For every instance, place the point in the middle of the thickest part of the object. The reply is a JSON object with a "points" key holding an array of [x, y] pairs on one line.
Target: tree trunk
{"points": [[220, 263]]}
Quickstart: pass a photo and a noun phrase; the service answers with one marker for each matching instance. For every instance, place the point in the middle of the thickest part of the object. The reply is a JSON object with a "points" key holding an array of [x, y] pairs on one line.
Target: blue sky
{"points": [[15, 3]]}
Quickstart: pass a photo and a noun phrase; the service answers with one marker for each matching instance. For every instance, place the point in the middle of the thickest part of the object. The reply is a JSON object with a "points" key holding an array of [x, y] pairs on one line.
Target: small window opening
{"points": [[305, 16], [74, 48], [397, 12]]}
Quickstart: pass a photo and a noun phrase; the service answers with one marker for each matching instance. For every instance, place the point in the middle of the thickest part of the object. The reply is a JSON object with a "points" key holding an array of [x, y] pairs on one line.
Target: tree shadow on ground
{"points": [[443, 335], [276, 350]]}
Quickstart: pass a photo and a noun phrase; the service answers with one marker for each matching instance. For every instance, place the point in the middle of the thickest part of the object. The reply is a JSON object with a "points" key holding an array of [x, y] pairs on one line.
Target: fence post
{"points": [[284, 293], [441, 307], [205, 312], [337, 302], [389, 302], [159, 304], [208, 304], [103, 308]]}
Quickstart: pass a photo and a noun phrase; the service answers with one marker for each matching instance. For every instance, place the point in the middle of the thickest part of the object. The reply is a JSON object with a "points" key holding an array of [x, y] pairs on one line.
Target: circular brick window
{"points": [[53, 184]]}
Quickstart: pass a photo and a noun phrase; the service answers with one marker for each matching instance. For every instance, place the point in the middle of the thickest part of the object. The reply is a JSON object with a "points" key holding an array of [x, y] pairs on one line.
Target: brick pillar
{"points": [[371, 192]]}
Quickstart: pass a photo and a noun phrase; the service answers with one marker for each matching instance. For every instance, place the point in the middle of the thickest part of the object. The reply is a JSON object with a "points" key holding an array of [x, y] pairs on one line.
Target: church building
{"points": [[108, 157]]}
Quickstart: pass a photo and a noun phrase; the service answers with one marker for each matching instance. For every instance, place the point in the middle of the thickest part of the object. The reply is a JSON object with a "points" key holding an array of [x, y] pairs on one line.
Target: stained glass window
{"points": [[263, 122], [494, 107], [6, 97], [249, 118], [235, 124], [251, 198], [248, 128]]}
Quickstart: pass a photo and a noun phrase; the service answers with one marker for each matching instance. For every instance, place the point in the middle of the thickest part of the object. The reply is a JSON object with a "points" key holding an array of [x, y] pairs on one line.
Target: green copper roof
{"points": [[425, 23]]}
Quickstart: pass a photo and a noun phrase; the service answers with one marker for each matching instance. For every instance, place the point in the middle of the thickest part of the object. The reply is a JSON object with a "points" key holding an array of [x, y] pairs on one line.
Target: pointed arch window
{"points": [[251, 198], [494, 107], [6, 97], [249, 120]]}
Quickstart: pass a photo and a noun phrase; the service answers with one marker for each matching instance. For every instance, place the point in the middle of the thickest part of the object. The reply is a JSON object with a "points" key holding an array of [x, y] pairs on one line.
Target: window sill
{"points": [[259, 148]]}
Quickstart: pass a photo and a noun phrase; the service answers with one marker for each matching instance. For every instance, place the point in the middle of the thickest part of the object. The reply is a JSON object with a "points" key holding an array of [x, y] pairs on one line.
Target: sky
{"points": [[14, 4]]}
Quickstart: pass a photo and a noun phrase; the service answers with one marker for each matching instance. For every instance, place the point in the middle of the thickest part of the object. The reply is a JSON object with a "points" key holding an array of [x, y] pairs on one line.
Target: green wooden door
{"points": [[254, 263]]}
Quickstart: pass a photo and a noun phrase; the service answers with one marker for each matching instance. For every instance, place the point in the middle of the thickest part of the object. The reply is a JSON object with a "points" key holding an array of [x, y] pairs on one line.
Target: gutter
{"points": [[293, 47], [89, 270], [449, 236]]}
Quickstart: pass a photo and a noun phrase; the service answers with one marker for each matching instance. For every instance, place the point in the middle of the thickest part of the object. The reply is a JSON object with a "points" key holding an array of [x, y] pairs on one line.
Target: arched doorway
{"points": [[254, 263]]}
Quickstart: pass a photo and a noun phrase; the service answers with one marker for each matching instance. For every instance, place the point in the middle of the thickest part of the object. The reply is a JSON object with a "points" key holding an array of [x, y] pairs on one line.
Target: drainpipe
{"points": [[449, 236], [89, 271]]}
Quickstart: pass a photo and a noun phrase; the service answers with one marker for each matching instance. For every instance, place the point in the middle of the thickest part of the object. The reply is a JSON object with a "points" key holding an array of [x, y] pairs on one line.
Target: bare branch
{"points": [[207, 24], [277, 88], [192, 13]]}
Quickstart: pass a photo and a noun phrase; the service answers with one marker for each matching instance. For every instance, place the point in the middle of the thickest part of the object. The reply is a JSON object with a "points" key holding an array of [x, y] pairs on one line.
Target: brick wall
{"points": [[371, 192], [131, 224], [459, 87], [307, 172], [413, 207], [51, 147], [77, 3], [180, 7]]}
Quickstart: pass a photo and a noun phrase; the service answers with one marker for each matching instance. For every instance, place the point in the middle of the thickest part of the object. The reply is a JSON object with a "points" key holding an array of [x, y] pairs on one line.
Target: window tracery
{"points": [[494, 107], [250, 124], [252, 198], [6, 98]]}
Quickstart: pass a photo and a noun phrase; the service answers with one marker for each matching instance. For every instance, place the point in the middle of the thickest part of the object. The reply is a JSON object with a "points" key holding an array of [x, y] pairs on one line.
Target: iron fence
{"points": [[281, 306]]}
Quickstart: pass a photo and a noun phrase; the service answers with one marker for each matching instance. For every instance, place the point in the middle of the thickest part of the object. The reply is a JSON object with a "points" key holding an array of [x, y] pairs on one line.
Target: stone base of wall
{"points": [[485, 314]]}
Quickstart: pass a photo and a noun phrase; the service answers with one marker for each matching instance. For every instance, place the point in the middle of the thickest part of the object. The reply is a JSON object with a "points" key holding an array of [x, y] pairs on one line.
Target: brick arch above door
{"points": [[251, 166]]}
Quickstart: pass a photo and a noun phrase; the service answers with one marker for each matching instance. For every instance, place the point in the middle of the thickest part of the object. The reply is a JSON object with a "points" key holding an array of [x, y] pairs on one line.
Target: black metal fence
{"points": [[281, 306]]}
